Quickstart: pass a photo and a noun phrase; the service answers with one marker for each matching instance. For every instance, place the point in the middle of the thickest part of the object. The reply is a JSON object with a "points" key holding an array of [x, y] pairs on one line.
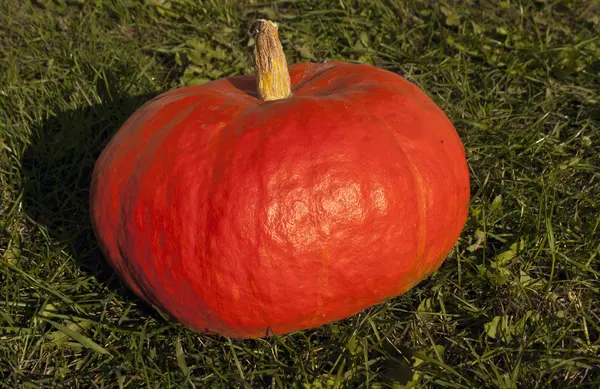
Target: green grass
{"points": [[517, 303]]}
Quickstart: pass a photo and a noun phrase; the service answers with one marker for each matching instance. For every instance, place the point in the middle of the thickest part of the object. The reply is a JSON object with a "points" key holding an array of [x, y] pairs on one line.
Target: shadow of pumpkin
{"points": [[57, 169]]}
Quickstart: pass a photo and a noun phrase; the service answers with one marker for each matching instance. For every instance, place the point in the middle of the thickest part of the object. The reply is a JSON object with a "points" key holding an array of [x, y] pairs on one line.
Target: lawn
{"points": [[516, 304]]}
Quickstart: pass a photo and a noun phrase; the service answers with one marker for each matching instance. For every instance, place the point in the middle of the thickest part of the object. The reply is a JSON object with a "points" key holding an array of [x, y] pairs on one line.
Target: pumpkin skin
{"points": [[245, 218]]}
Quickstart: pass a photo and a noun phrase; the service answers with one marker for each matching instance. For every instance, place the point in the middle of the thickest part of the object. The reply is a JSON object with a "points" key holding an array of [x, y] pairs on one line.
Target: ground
{"points": [[514, 306]]}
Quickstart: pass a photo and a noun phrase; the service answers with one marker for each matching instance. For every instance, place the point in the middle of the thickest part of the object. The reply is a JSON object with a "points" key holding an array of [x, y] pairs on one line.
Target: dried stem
{"points": [[272, 76]]}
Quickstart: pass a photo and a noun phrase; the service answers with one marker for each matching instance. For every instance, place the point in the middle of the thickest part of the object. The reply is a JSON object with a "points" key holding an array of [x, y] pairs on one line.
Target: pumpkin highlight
{"points": [[241, 209]]}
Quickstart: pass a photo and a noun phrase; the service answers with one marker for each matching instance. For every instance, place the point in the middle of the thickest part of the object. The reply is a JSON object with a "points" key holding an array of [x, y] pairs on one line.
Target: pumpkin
{"points": [[280, 201]]}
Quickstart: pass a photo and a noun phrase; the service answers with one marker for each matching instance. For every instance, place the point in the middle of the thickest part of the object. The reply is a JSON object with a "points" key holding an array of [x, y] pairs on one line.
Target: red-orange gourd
{"points": [[240, 208]]}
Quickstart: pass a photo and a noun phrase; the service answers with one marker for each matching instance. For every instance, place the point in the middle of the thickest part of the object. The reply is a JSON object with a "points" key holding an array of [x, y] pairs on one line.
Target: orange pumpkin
{"points": [[280, 201]]}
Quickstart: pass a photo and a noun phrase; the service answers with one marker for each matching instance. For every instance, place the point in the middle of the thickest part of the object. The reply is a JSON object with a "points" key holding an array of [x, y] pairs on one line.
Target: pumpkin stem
{"points": [[272, 76]]}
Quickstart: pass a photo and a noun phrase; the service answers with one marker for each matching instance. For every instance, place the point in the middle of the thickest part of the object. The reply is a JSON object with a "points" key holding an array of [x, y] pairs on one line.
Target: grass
{"points": [[517, 303]]}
